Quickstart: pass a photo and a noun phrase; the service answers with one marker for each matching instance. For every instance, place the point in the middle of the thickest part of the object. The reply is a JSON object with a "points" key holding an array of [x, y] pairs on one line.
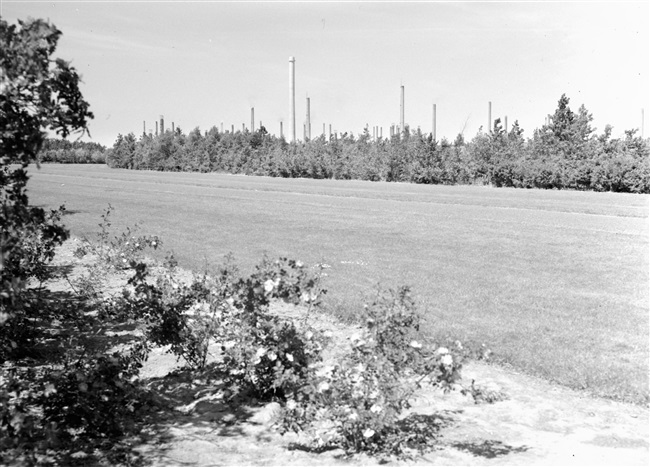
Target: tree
{"points": [[37, 93]]}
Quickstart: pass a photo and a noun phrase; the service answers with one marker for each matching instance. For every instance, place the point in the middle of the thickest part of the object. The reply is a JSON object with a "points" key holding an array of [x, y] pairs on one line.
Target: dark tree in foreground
{"points": [[37, 94]]}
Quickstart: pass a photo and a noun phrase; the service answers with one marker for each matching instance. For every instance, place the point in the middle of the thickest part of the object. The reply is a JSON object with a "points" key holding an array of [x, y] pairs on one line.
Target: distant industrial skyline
{"points": [[201, 64]]}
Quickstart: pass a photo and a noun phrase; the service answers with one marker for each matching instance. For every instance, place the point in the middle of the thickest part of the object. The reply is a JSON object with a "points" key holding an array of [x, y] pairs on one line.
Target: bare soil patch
{"points": [[539, 424]]}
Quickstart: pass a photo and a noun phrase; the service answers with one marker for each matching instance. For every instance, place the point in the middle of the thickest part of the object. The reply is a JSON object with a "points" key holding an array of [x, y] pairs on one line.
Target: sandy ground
{"points": [[539, 423]]}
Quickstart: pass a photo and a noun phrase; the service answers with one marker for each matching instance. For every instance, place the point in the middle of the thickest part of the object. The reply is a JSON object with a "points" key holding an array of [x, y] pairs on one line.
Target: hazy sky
{"points": [[202, 63]]}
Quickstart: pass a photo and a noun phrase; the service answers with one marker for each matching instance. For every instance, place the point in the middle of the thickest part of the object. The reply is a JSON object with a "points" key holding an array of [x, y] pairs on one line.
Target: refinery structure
{"points": [[377, 132]]}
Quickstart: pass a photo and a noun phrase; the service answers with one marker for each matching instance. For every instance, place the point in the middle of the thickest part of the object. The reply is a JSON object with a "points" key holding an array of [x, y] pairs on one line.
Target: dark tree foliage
{"points": [[38, 93]]}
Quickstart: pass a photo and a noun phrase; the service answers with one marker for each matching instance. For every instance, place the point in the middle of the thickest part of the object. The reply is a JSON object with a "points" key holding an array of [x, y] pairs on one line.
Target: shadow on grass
{"points": [[489, 449]]}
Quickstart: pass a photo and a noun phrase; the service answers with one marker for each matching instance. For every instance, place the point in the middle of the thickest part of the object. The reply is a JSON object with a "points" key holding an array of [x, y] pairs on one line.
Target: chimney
{"points": [[489, 128], [292, 99], [308, 123], [401, 108], [434, 122]]}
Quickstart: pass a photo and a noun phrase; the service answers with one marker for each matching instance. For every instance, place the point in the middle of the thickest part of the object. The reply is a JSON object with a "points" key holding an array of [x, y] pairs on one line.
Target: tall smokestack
{"points": [[434, 122], [489, 128], [156, 128], [308, 122], [401, 108], [292, 99], [252, 119], [329, 134], [162, 125], [173, 127], [505, 122]]}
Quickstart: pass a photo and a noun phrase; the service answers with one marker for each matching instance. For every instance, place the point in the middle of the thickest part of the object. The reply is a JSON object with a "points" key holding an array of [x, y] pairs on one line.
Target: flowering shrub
{"points": [[121, 251], [270, 359], [263, 355], [358, 403]]}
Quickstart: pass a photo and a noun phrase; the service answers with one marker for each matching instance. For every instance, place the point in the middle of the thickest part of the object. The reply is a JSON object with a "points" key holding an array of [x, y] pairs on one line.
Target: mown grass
{"points": [[555, 283]]}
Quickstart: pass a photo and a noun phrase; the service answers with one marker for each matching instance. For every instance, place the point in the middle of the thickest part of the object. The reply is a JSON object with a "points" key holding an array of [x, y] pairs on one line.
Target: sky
{"points": [[202, 63]]}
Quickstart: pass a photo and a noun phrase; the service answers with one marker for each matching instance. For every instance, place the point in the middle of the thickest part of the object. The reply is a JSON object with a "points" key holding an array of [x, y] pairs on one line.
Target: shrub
{"points": [[358, 403]]}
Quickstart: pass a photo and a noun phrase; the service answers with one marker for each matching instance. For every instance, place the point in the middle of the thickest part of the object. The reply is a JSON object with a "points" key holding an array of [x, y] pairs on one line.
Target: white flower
{"points": [[367, 433], [447, 360], [272, 356], [328, 334], [442, 351], [375, 408], [291, 404], [308, 297], [153, 243], [289, 357], [415, 345], [260, 352], [299, 264], [353, 416], [324, 386], [268, 285], [309, 335]]}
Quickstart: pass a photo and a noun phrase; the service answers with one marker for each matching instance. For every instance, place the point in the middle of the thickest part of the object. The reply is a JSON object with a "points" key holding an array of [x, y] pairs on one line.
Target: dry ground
{"points": [[540, 423]]}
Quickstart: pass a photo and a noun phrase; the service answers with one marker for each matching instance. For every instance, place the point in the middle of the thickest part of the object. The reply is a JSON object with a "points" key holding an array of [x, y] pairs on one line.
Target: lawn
{"points": [[554, 282]]}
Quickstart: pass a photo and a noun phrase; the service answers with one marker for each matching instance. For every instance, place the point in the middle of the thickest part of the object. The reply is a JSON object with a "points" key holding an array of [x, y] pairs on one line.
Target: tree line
{"points": [[566, 153], [63, 151]]}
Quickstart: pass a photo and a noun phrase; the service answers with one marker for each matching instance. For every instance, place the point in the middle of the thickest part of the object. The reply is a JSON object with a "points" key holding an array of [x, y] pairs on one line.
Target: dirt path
{"points": [[540, 424]]}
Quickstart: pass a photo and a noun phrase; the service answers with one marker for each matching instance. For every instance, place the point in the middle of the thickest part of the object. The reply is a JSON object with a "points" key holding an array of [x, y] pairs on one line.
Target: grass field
{"points": [[555, 283]]}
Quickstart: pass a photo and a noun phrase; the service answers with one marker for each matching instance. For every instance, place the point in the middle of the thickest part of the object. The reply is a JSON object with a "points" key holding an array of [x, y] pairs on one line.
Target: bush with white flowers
{"points": [[358, 404]]}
